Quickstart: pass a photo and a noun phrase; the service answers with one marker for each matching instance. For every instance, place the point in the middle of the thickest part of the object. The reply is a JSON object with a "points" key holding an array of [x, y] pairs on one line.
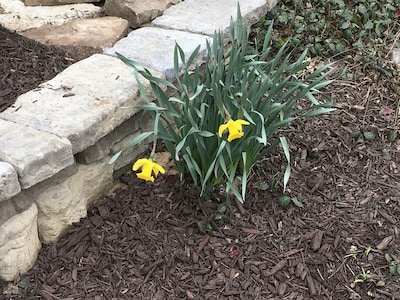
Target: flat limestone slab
{"points": [[154, 47], [35, 155], [83, 103], [206, 16], [56, 2], [137, 12], [18, 17], [81, 37]]}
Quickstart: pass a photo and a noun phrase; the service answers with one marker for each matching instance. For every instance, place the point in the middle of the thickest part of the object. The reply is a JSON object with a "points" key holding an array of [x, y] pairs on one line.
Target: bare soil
{"points": [[142, 241]]}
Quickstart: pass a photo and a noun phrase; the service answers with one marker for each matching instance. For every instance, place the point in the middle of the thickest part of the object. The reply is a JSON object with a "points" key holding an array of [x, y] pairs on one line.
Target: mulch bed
{"points": [[143, 241], [25, 64]]}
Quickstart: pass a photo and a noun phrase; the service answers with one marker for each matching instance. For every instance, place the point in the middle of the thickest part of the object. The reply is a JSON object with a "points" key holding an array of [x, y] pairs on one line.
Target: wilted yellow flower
{"points": [[148, 166], [234, 128]]}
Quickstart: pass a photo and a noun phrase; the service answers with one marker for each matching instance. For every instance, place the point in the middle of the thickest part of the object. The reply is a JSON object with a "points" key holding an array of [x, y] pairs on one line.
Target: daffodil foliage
{"points": [[225, 116]]}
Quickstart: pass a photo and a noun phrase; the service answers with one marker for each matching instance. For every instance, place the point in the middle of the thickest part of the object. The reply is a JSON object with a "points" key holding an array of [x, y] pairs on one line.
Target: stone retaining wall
{"points": [[56, 141]]}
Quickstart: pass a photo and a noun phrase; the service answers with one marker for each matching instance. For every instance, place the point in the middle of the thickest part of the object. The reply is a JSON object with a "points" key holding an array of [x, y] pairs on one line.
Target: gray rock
{"points": [[130, 154], [81, 37], [34, 154], [103, 147], [154, 47], [19, 17], [137, 12], [83, 103], [206, 16], [66, 200], [19, 244], [14, 206], [9, 185], [55, 2]]}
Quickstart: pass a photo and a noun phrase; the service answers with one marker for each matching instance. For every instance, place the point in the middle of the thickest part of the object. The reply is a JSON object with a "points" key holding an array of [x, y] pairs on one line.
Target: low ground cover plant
{"points": [[363, 33], [366, 28], [227, 116]]}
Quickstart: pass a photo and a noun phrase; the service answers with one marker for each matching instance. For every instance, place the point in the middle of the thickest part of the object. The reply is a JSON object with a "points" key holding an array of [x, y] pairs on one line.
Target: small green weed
{"points": [[363, 276], [284, 201], [394, 264]]}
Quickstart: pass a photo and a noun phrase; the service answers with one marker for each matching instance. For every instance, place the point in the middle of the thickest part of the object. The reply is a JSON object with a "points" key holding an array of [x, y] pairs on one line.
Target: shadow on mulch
{"points": [[143, 241], [25, 64]]}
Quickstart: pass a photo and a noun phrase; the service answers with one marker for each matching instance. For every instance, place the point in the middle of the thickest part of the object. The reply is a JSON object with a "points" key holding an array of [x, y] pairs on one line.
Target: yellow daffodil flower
{"points": [[234, 128], [148, 166]]}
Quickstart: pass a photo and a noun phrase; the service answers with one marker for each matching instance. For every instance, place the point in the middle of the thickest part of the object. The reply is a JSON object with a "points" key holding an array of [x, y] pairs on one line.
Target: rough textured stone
{"points": [[19, 17], [102, 148], [205, 16], [81, 37], [35, 155], [154, 47], [56, 2], [19, 244], [9, 185], [64, 202], [14, 206], [130, 154], [137, 12], [83, 103]]}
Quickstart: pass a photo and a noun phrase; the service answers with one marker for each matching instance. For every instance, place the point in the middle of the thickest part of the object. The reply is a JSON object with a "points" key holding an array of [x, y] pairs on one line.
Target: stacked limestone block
{"points": [[59, 164]]}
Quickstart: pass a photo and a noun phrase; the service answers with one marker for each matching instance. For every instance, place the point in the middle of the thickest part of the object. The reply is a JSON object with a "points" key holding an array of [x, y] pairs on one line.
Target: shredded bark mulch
{"points": [[143, 240], [25, 64]]}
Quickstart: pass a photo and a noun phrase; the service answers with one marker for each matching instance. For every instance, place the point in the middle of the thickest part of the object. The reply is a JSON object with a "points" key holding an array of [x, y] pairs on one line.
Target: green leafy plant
{"points": [[363, 136], [284, 201], [363, 276], [332, 27], [367, 250], [394, 264], [224, 118]]}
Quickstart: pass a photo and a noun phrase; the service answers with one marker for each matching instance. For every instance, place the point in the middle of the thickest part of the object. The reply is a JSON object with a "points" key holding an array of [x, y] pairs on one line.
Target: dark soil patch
{"points": [[25, 64], [143, 241]]}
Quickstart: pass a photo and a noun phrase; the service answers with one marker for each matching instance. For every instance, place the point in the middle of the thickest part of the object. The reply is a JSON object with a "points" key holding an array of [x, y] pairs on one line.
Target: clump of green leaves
{"points": [[394, 264], [225, 118], [284, 201], [332, 27], [363, 136], [363, 276]]}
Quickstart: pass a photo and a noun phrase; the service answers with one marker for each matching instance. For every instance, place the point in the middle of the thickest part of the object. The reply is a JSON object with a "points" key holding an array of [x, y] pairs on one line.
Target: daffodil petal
{"points": [[139, 163], [158, 168], [222, 128], [235, 136], [145, 177], [242, 122]]}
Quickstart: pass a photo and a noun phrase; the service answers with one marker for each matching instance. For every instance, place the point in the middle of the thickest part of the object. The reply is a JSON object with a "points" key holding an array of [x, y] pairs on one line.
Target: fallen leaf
{"points": [[385, 242]]}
